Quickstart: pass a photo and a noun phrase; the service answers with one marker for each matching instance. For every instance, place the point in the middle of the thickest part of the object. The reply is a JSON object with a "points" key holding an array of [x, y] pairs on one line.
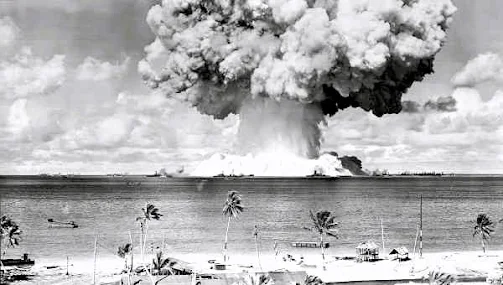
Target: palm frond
{"points": [[484, 227], [232, 206], [440, 278], [124, 250], [313, 280], [323, 223]]}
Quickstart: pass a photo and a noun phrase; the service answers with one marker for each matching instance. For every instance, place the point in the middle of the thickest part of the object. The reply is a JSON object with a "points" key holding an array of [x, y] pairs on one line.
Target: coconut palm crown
{"points": [[323, 223], [483, 228], [232, 207], [150, 213]]}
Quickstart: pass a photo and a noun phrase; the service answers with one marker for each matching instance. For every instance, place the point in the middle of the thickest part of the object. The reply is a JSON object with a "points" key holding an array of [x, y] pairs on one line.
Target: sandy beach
{"points": [[473, 267]]}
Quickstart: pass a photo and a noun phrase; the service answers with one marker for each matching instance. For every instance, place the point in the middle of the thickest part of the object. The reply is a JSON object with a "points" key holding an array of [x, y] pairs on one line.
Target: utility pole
{"points": [[421, 228], [95, 253], [382, 237]]}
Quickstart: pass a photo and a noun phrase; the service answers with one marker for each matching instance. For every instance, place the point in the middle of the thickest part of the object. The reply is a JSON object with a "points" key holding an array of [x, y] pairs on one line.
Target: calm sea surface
{"points": [[193, 221]]}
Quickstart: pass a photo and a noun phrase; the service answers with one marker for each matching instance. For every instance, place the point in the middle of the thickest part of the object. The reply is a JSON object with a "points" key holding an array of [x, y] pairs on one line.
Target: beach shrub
{"points": [[10, 233], [484, 227]]}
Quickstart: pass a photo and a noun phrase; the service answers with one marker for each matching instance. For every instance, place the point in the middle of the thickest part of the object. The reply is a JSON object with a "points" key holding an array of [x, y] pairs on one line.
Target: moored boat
{"points": [[56, 224], [25, 261]]}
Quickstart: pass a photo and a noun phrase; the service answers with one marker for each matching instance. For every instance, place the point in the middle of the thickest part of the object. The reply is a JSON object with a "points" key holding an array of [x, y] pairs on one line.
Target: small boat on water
{"points": [[133, 183], [25, 261], [311, 244], [56, 224]]}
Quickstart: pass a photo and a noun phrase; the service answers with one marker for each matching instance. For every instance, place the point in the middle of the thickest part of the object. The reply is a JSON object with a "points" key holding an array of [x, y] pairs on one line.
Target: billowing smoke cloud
{"points": [[440, 104], [484, 67], [409, 106], [319, 56]]}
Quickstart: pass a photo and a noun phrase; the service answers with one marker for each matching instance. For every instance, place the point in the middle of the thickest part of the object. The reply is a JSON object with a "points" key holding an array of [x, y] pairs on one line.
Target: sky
{"points": [[72, 101]]}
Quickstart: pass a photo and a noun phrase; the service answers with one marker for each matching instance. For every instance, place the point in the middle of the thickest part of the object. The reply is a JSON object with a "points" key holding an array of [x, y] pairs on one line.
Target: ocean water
{"points": [[192, 220]]}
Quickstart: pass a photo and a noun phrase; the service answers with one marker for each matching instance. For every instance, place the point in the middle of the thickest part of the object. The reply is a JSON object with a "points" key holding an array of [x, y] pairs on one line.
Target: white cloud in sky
{"points": [[26, 75], [9, 32], [462, 140], [96, 70], [482, 68]]}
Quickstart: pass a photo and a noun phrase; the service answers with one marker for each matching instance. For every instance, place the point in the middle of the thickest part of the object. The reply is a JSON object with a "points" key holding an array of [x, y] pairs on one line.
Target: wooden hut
{"points": [[367, 251], [400, 253]]}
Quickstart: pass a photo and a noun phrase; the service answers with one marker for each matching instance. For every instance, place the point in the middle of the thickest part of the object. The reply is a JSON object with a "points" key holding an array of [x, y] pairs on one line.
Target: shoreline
{"points": [[470, 265]]}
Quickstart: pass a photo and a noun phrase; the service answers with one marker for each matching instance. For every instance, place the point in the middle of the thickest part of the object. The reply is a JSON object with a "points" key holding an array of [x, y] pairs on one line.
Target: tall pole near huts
{"points": [[421, 228]]}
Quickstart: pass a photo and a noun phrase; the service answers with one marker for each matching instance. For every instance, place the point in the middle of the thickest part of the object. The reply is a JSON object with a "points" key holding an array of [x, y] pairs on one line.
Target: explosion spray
{"points": [[283, 65]]}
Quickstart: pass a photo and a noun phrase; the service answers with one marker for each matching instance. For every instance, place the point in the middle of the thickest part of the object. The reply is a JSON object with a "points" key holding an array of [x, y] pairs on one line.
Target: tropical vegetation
{"points": [[124, 251], [324, 224], [160, 264], [150, 212], [10, 233], [232, 209], [484, 227]]}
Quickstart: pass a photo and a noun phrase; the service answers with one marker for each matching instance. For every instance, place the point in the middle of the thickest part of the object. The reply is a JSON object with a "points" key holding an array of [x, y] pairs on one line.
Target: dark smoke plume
{"points": [[441, 104], [335, 54]]}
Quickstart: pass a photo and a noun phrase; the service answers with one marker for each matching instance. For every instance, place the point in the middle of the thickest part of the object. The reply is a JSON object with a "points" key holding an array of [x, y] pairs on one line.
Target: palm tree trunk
{"points": [[141, 242], [483, 244], [132, 251], [225, 242], [322, 252], [258, 253], [145, 237]]}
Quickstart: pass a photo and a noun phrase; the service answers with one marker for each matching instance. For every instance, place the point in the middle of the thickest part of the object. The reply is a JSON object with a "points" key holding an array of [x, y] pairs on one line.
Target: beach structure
{"points": [[400, 253], [181, 267], [367, 251], [310, 244]]}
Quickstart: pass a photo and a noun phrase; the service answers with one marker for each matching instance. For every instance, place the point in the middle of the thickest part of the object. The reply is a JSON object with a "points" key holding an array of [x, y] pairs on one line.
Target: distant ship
{"points": [[317, 174], [156, 174]]}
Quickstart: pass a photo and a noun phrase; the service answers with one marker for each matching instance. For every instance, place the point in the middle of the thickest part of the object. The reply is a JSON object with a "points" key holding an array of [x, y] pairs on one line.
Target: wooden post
{"points": [[95, 252], [132, 250], [421, 228]]}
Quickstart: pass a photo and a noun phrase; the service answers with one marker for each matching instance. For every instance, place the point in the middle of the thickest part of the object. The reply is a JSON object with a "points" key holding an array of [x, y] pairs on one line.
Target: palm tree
{"points": [[124, 251], [323, 223], [439, 278], [313, 280], [255, 234], [9, 233], [150, 212], [255, 279], [483, 228], [159, 262], [232, 208]]}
